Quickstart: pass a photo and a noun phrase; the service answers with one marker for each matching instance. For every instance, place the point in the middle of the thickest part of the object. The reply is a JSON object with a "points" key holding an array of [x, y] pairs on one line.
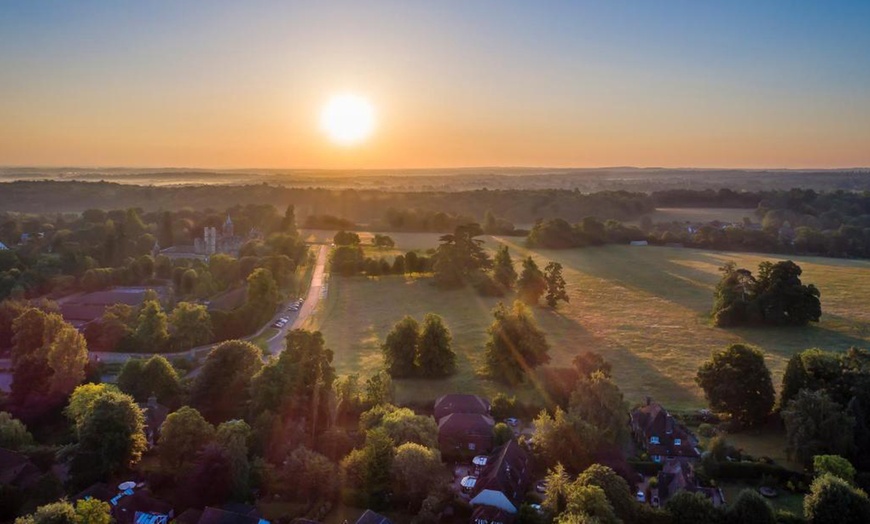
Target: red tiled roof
{"points": [[457, 403], [507, 471]]}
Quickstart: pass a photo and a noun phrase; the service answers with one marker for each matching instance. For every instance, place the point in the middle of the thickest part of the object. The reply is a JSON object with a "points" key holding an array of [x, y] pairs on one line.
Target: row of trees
{"points": [[413, 350]]}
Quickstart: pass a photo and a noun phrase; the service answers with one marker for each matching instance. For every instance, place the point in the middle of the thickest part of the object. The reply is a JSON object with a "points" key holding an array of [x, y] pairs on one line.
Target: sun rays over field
{"points": [[644, 308]]}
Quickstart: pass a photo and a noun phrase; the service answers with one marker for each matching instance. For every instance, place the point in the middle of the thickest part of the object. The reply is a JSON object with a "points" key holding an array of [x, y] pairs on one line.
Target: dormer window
{"points": [[678, 442], [654, 439]]}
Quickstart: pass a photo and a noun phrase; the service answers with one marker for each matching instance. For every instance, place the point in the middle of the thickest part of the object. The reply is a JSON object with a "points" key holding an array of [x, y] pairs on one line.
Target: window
{"points": [[471, 446], [678, 442], [657, 458], [653, 440]]}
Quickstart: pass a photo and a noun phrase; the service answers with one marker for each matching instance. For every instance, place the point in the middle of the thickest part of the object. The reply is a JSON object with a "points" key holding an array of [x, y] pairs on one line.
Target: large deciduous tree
{"points": [[13, 433], [516, 345], [400, 348], [298, 383], [816, 425], [110, 429], [191, 326], [750, 507], [152, 328], [832, 500], [503, 271], [415, 470], [435, 355], [775, 296], [555, 284], [459, 255], [598, 401], [142, 378], [221, 389], [736, 381], [184, 433], [532, 284], [48, 358], [564, 438]]}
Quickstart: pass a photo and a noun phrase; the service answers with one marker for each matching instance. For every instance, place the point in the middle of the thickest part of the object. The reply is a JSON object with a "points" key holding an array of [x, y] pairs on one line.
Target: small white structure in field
{"points": [[639, 243]]}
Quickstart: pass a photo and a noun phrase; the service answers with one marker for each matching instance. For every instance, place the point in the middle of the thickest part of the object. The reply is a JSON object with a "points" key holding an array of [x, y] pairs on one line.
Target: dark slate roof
{"points": [[457, 403], [654, 420], [100, 491], [219, 516], [140, 501], [676, 475], [490, 515], [16, 469], [465, 424], [370, 517], [189, 516], [507, 471]]}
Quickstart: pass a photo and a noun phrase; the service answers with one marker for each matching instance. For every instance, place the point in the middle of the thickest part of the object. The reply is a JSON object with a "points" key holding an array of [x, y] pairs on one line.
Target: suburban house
{"points": [[502, 485], [17, 470], [457, 403], [464, 424], [460, 433], [656, 431], [227, 515], [370, 517], [679, 475], [491, 515], [134, 505]]}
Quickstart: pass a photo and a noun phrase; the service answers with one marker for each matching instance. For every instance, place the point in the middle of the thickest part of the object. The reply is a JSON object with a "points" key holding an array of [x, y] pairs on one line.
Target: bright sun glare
{"points": [[348, 119]]}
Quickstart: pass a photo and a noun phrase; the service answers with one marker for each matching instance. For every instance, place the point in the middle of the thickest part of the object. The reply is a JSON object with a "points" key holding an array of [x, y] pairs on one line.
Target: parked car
{"points": [[541, 486], [512, 421], [641, 496]]}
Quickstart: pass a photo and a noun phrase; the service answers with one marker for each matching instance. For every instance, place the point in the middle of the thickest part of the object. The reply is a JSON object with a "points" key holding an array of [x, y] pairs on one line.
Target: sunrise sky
{"points": [[451, 83]]}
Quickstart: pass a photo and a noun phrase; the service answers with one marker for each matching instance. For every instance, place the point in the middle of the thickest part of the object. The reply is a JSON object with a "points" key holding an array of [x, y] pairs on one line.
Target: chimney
{"points": [[669, 425], [152, 401], [648, 400]]}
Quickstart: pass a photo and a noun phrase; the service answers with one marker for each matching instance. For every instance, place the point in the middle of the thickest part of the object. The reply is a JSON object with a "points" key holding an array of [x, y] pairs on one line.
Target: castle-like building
{"points": [[213, 242]]}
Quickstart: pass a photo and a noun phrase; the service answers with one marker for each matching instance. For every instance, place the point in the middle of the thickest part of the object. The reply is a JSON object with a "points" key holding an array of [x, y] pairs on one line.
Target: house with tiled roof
{"points": [[662, 437], [491, 515], [465, 433], [504, 481], [679, 475], [134, 505], [459, 403], [370, 517]]}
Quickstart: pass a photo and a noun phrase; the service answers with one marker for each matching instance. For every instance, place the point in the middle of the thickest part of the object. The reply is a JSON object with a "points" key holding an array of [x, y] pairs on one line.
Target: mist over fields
{"points": [[462, 179]]}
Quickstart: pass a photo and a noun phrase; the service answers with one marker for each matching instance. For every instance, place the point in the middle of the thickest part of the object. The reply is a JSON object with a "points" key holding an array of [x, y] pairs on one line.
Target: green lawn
{"points": [[793, 502], [644, 308]]}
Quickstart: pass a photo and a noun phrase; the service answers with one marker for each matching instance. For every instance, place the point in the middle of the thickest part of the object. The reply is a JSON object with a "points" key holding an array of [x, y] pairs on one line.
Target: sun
{"points": [[348, 119]]}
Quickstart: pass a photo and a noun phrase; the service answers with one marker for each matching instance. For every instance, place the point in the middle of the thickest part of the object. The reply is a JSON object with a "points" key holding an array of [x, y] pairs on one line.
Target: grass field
{"points": [[644, 308]]}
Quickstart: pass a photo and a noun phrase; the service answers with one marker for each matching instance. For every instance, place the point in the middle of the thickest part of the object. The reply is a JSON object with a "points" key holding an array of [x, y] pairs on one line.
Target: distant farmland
{"points": [[644, 308]]}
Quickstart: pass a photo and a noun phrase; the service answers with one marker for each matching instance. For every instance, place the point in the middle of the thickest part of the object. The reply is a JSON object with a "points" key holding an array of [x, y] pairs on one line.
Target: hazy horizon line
{"points": [[456, 168]]}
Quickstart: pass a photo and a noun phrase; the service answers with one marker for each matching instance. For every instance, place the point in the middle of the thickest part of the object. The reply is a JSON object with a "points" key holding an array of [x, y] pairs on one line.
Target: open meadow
{"points": [[644, 308]]}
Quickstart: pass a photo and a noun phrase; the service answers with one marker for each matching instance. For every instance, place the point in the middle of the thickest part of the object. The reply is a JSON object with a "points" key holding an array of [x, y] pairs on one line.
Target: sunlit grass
{"points": [[645, 308]]}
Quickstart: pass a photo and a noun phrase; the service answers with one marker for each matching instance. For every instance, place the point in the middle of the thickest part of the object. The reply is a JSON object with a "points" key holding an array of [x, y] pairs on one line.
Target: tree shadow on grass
{"points": [[785, 341], [636, 376]]}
